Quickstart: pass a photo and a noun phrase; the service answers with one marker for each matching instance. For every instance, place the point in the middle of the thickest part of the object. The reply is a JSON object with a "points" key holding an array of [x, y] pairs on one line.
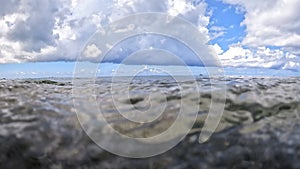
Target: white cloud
{"points": [[179, 7], [268, 23], [271, 23], [216, 32], [92, 51], [218, 49], [292, 65], [239, 56], [52, 30]]}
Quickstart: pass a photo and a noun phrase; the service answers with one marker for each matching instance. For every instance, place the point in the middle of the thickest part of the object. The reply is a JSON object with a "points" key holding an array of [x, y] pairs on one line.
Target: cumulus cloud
{"points": [[275, 23], [92, 51], [239, 56], [272, 23], [57, 30], [27, 33]]}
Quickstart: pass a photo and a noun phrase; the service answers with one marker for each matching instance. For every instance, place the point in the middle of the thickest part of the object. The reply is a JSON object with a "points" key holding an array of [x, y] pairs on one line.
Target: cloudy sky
{"points": [[242, 33]]}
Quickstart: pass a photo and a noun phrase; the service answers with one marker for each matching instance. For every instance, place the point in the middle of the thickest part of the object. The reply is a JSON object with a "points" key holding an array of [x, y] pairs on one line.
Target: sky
{"points": [[46, 37]]}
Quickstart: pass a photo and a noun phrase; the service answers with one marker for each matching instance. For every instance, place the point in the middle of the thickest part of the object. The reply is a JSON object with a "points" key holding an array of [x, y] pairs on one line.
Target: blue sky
{"points": [[65, 70], [227, 17], [45, 38]]}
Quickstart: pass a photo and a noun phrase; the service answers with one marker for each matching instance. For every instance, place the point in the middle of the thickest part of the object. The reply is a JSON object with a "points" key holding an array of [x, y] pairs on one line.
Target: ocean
{"points": [[56, 123]]}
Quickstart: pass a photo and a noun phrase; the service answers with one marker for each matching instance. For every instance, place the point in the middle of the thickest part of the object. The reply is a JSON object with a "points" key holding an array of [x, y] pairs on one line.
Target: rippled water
{"points": [[39, 126]]}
